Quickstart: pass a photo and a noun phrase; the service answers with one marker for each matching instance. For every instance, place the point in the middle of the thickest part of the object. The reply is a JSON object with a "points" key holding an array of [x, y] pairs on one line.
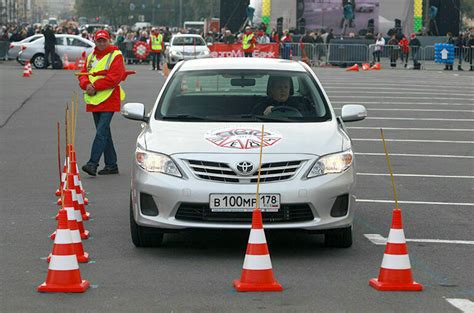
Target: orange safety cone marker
{"points": [[353, 68], [395, 272], [257, 273], [63, 270], [376, 67], [77, 186], [26, 71], [365, 66], [66, 62], [30, 69], [64, 173], [82, 257], [166, 70]]}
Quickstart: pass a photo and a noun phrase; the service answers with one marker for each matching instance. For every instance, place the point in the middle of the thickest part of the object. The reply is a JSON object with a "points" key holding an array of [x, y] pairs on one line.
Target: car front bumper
{"points": [[170, 193]]}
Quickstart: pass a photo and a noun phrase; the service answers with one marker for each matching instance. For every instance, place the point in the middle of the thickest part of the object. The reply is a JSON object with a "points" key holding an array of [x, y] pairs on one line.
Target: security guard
{"points": [[156, 43], [248, 42], [103, 95]]}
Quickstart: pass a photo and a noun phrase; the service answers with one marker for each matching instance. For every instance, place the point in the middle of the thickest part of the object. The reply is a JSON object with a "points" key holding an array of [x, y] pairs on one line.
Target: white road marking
{"points": [[418, 155], [416, 202], [398, 97], [416, 128], [405, 92], [406, 103], [414, 110], [420, 119], [465, 305], [369, 89], [416, 175], [378, 239], [415, 140]]}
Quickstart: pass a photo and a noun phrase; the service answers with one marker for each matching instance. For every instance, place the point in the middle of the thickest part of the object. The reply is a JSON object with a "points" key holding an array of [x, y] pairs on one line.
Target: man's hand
{"points": [[268, 110], [90, 90]]}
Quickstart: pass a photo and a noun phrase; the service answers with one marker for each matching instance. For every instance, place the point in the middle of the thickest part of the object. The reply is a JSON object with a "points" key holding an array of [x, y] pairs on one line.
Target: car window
{"points": [[236, 95], [188, 41], [76, 42], [59, 41]]}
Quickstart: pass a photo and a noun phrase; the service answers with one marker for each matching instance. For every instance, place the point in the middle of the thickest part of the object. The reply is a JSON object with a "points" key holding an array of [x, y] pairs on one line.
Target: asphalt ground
{"points": [[193, 271]]}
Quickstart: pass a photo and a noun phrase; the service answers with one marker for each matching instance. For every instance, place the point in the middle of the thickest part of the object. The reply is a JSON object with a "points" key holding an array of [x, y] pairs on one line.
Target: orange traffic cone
{"points": [[63, 271], [395, 272], [64, 173], [257, 273], [166, 70], [65, 62], [353, 68], [365, 66], [26, 70], [82, 257], [376, 67], [30, 69], [77, 173], [77, 186]]}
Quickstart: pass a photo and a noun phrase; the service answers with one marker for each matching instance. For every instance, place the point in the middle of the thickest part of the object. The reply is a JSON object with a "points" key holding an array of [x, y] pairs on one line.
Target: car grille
{"points": [[197, 212], [217, 171]]}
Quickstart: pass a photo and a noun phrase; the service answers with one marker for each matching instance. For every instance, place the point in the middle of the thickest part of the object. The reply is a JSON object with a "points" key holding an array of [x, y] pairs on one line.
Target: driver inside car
{"points": [[280, 90]]}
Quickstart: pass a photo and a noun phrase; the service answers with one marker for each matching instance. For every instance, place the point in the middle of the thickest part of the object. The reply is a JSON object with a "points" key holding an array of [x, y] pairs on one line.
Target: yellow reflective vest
{"points": [[156, 42], [247, 41], [93, 66]]}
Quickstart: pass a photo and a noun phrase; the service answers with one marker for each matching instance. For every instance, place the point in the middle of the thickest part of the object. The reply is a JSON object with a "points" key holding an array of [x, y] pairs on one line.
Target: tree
{"points": [[467, 9]]}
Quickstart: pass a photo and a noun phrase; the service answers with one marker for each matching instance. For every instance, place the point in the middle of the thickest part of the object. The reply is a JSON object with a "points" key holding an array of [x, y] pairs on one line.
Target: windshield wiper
{"points": [[186, 117], [267, 118]]}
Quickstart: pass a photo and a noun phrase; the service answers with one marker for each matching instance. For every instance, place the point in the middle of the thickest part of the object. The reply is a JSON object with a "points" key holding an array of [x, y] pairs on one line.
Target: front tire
{"points": [[339, 238], [144, 236], [39, 61]]}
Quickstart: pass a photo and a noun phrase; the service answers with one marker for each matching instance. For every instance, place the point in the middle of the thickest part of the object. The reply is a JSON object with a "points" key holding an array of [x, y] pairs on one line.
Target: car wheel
{"points": [[144, 236], [338, 238], [39, 61]]}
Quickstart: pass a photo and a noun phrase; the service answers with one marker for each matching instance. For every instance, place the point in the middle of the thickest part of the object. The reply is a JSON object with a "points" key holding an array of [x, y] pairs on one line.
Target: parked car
{"points": [[71, 45], [15, 47], [185, 47], [197, 157]]}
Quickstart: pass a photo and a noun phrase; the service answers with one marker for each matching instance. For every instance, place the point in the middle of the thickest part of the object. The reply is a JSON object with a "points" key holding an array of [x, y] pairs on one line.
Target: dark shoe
{"points": [[89, 169], [460, 68], [109, 171]]}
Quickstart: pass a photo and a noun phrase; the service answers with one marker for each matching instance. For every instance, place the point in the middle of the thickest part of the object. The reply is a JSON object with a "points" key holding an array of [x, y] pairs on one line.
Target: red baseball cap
{"points": [[102, 34]]}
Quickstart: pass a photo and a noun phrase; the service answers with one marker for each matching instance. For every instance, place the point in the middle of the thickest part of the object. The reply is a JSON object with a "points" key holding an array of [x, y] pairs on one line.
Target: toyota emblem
{"points": [[245, 168]]}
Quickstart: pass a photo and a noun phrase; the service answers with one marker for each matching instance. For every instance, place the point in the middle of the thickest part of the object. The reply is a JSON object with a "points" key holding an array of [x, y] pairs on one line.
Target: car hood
{"points": [[288, 138], [189, 49]]}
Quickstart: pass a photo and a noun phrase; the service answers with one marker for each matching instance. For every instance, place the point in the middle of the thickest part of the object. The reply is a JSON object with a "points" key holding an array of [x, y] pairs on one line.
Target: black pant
{"points": [[47, 53], [155, 59], [248, 54], [376, 55]]}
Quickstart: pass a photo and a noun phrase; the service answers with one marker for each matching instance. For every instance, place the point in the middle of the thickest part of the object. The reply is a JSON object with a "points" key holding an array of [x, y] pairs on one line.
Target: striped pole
{"points": [[266, 13], [417, 15]]}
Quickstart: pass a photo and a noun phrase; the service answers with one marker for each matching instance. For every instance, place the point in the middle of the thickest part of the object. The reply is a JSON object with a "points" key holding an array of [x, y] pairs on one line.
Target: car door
{"points": [[60, 47]]}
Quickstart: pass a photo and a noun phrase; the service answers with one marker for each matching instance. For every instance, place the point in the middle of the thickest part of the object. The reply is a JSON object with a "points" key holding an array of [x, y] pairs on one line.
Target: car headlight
{"points": [[175, 53], [156, 162], [332, 163], [205, 52]]}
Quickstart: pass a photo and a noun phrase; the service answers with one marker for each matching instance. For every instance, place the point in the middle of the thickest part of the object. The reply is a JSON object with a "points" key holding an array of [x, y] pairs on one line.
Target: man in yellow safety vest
{"points": [[248, 42], [156, 44], [103, 94]]}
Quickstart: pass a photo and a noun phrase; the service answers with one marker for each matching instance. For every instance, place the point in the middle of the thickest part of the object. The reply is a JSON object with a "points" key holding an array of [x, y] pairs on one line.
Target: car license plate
{"points": [[243, 202]]}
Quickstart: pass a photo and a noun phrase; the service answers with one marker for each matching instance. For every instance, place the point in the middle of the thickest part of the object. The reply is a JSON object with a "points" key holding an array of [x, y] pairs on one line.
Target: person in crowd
{"points": [[460, 43], [394, 49], [449, 40], [308, 43], [348, 17], [102, 96], [404, 50], [209, 37], [49, 46], [280, 91], [285, 43], [228, 37], [470, 50], [248, 42], [378, 46], [415, 45], [262, 37]]}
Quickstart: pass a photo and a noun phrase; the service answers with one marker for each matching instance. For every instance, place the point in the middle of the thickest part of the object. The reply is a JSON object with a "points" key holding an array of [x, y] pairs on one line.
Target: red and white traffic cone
{"points": [[73, 169], [395, 272], [82, 257], [257, 272], [64, 173], [365, 66], [30, 69], [376, 67], [26, 71], [63, 270], [353, 68]]}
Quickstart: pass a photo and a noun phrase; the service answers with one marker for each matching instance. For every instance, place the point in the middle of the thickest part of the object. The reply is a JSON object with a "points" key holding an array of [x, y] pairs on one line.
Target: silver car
{"points": [[185, 47], [197, 157], [71, 45], [16, 46]]}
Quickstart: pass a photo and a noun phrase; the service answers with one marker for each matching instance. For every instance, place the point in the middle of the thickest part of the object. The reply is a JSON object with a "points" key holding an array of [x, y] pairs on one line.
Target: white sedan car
{"points": [[16, 46], [197, 157], [71, 46], [185, 47]]}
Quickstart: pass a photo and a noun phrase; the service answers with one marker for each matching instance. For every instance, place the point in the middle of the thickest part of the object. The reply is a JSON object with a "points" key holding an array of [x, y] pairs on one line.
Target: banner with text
{"points": [[222, 50]]}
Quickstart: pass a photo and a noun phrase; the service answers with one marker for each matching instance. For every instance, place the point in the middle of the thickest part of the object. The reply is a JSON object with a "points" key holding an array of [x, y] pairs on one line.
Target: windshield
{"points": [[246, 96], [188, 41]]}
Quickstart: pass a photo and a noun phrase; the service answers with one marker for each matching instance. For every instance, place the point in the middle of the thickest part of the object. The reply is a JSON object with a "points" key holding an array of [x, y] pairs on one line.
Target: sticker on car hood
{"points": [[242, 138]]}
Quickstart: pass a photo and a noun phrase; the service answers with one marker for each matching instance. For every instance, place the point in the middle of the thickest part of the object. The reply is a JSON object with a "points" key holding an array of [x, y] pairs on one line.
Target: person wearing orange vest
{"points": [[102, 95], [248, 42], [156, 44]]}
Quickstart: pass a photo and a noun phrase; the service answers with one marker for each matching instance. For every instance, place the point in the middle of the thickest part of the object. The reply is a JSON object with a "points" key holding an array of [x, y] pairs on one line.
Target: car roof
{"points": [[187, 35], [242, 63]]}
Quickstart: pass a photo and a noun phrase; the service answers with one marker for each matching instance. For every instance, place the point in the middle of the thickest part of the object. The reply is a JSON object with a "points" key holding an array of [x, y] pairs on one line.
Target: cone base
{"points": [[85, 234], [81, 287], [86, 217], [246, 287], [57, 193], [86, 201], [381, 286]]}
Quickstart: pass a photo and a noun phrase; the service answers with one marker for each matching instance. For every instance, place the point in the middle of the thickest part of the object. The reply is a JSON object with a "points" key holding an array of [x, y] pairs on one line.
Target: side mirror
{"points": [[134, 111], [353, 112]]}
